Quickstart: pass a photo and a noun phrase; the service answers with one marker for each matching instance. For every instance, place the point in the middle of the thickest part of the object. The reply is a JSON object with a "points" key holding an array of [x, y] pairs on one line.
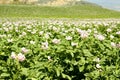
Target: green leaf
{"points": [[66, 76], [5, 75], [81, 68], [67, 61], [34, 79], [72, 54], [107, 45], [71, 68], [41, 76], [57, 72], [82, 60], [1, 68], [102, 47], [25, 71], [2, 53], [87, 53]]}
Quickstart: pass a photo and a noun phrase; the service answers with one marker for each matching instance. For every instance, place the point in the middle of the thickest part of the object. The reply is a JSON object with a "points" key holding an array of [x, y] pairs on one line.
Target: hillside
{"points": [[77, 10]]}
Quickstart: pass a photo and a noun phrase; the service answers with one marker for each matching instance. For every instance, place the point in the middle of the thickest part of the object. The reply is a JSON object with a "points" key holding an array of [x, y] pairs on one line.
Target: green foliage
{"points": [[59, 50], [75, 11]]}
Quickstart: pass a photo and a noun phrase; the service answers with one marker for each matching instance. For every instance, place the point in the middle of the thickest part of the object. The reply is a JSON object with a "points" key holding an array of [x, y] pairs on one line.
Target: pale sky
{"points": [[111, 4]]}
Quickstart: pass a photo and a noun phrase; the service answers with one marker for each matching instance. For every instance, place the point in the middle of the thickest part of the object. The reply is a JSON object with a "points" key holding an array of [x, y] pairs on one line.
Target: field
{"points": [[82, 11], [60, 50], [70, 42]]}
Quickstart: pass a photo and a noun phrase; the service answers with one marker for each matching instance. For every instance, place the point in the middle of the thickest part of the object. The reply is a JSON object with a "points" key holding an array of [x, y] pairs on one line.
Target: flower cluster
{"points": [[20, 57], [61, 47]]}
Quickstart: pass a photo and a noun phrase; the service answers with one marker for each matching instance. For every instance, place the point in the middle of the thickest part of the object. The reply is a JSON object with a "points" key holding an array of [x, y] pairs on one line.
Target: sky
{"points": [[110, 4]]}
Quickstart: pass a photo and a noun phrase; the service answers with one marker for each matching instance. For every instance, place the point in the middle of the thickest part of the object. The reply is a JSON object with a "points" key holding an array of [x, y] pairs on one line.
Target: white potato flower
{"points": [[41, 32], [113, 44], [21, 57], [97, 60], [100, 37], [47, 36], [49, 57], [109, 30], [10, 40], [24, 50], [34, 31], [45, 45], [32, 42], [84, 34], [118, 45], [68, 38], [24, 33], [118, 32], [74, 44], [98, 66], [56, 41], [13, 55], [111, 36]]}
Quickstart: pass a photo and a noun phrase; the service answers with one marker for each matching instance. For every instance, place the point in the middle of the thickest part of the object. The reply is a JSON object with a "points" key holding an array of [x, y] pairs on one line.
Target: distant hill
{"points": [[55, 2], [46, 2], [65, 2], [78, 9], [18, 1]]}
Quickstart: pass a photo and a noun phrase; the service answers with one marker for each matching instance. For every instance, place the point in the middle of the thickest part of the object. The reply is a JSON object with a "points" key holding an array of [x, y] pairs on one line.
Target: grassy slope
{"points": [[76, 11]]}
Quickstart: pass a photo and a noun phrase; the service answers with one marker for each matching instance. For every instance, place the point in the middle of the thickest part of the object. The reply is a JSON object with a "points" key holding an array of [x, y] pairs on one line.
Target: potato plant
{"points": [[59, 50]]}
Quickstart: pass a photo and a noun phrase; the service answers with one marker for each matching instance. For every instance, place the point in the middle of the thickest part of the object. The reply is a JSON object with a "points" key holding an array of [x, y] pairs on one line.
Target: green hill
{"points": [[78, 10]]}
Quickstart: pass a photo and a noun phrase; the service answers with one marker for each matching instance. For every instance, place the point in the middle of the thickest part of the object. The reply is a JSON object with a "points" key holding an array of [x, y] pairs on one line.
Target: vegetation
{"points": [[75, 11], [59, 50]]}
